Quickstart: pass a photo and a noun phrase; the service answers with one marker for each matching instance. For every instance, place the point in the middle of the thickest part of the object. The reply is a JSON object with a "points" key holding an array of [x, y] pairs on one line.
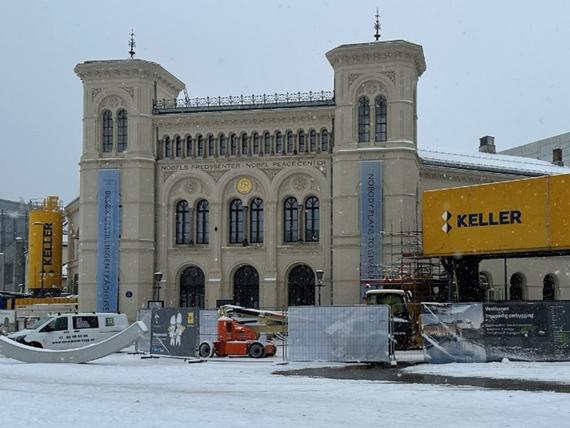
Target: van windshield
{"points": [[38, 323]]}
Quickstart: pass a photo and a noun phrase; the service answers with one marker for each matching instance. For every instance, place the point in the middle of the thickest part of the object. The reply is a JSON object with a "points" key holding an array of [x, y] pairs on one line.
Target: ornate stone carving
{"points": [[352, 78], [129, 90], [216, 175], [191, 186], [95, 92], [166, 174], [391, 75], [299, 183], [270, 172], [112, 101], [371, 88]]}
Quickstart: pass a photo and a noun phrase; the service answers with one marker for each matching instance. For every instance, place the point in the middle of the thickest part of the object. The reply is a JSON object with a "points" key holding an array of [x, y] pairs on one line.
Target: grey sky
{"points": [[493, 67]]}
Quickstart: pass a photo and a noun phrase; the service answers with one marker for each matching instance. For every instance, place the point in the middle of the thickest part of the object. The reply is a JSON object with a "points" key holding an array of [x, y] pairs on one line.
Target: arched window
{"points": [[380, 119], [167, 148], [516, 288], [223, 145], [312, 141], [122, 131], [267, 143], [178, 147], [256, 221], [236, 222], [246, 287], [202, 219], [301, 286], [200, 146], [107, 131], [189, 151], [290, 142], [256, 143], [244, 145], [183, 224], [549, 287], [233, 145], [192, 288], [363, 120], [312, 219], [290, 220], [278, 143], [324, 141], [302, 145], [211, 146]]}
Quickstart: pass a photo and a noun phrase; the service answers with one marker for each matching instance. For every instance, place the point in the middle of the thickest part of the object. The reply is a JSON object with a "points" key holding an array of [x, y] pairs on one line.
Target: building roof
{"points": [[492, 162]]}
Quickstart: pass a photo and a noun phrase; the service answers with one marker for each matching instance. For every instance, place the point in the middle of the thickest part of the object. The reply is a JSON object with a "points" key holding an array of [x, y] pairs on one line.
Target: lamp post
{"points": [[156, 286], [320, 273]]}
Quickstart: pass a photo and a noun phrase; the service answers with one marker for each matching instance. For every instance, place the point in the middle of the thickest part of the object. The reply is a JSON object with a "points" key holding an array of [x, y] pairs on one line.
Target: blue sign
{"points": [[370, 220], [108, 241]]}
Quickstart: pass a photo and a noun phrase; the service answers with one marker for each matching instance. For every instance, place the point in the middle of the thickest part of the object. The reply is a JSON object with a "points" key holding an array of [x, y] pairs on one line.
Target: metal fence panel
{"points": [[208, 325], [340, 333], [143, 342]]}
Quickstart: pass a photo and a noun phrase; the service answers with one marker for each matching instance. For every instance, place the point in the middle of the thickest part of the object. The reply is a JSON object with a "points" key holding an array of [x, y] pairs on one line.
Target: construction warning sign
{"points": [[506, 217]]}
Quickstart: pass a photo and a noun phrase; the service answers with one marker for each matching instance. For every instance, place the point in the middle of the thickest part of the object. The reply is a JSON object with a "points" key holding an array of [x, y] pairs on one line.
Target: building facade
{"points": [[13, 244], [244, 199]]}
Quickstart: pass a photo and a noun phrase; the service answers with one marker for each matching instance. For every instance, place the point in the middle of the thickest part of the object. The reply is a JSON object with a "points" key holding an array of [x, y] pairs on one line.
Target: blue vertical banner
{"points": [[108, 240], [370, 221]]}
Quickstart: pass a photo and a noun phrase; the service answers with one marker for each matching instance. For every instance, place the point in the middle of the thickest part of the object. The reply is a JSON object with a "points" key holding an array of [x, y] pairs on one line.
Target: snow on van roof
{"points": [[492, 162]]}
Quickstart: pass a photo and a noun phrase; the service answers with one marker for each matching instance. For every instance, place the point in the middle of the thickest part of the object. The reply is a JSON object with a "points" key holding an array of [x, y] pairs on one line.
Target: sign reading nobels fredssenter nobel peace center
{"points": [[508, 217]]}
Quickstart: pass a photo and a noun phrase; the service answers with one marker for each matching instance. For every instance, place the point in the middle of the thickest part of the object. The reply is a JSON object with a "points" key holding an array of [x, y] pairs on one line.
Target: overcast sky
{"points": [[493, 67]]}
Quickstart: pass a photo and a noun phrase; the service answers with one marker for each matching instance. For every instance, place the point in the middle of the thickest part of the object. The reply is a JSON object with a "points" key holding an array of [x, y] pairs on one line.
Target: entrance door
{"points": [[301, 286], [246, 287], [192, 288]]}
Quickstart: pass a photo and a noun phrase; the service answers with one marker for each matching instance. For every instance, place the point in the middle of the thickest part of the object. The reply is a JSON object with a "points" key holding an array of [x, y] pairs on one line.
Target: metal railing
{"points": [[239, 102]]}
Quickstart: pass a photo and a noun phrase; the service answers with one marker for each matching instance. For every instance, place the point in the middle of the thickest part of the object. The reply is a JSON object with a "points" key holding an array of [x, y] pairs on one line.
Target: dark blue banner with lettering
{"points": [[108, 241], [370, 220]]}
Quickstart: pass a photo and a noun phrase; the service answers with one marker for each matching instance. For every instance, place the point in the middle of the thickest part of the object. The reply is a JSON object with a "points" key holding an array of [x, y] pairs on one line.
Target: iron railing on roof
{"points": [[240, 102]]}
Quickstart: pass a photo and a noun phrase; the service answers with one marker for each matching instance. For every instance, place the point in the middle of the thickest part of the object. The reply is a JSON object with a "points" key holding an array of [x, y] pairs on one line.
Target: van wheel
{"points": [[206, 350], [256, 350], [36, 345]]}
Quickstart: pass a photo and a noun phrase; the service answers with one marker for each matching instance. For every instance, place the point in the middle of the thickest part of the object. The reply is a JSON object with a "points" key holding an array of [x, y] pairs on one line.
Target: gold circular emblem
{"points": [[244, 186]]}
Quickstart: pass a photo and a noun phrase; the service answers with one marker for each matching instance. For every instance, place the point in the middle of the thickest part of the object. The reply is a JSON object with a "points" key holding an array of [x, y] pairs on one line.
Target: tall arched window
{"points": [[192, 288], [107, 131], [178, 147], [183, 223], [363, 120], [211, 146], [122, 131], [290, 142], [189, 151], [549, 287], [267, 143], [312, 219], [256, 142], [244, 145], [202, 220], [200, 146], [256, 221], [516, 288], [246, 287], [301, 286], [236, 222], [167, 148], [278, 143], [223, 145], [313, 141], [380, 122], [233, 144], [302, 145], [290, 220], [324, 141]]}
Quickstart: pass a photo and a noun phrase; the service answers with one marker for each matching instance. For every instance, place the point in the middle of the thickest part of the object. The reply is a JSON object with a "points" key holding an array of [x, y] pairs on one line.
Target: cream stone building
{"points": [[246, 198]]}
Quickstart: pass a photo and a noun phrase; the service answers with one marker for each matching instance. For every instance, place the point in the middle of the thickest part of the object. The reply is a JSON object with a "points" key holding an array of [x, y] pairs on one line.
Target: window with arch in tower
{"points": [[236, 222], [189, 151], [278, 143], [267, 143], [167, 148], [244, 145], [107, 143], [122, 126], [256, 221], [290, 220], [202, 220], [312, 228], [211, 146], [256, 143], [313, 141], [324, 141], [302, 144], [223, 145], [200, 146], [178, 147], [233, 145], [290, 142], [183, 223], [380, 123], [363, 120]]}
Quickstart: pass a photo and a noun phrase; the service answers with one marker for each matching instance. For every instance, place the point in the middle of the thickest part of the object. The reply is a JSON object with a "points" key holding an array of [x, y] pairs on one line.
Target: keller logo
{"points": [[446, 216]]}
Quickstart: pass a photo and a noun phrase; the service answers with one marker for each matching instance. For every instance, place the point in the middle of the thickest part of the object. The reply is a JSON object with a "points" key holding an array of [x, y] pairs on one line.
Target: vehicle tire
{"points": [[256, 350], [36, 345], [206, 350]]}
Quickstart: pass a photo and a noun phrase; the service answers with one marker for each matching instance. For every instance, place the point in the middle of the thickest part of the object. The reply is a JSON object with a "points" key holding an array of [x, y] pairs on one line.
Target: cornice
{"points": [[130, 68], [377, 53]]}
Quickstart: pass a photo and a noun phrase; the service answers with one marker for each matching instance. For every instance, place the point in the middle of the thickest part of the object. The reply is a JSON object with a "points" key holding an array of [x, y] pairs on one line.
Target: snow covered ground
{"points": [[124, 390]]}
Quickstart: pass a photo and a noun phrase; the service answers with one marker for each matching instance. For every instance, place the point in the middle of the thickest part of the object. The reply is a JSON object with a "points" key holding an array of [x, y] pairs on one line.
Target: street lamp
{"points": [[320, 273], [156, 286]]}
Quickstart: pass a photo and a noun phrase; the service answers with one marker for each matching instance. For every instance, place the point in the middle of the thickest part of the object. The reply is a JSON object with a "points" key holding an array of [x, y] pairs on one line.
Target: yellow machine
{"points": [[45, 231]]}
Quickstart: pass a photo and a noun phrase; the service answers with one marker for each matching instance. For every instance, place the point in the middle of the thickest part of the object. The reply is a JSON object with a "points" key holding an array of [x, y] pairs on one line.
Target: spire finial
{"points": [[377, 26], [132, 44]]}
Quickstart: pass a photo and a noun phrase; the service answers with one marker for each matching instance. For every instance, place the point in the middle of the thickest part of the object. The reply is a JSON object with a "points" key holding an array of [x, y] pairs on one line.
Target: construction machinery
{"points": [[239, 332]]}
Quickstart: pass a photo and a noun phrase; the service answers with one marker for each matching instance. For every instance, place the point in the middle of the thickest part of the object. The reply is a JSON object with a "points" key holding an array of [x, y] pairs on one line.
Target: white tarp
{"points": [[340, 333]]}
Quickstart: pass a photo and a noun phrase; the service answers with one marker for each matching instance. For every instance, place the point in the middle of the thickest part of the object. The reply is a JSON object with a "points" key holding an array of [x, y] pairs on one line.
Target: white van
{"points": [[66, 331]]}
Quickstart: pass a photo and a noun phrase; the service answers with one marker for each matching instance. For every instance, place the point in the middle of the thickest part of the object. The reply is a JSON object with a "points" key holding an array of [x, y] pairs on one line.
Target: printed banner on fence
{"points": [[175, 331]]}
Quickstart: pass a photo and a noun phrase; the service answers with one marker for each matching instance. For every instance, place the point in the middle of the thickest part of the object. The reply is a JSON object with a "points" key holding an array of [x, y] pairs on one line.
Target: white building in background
{"points": [[245, 198]]}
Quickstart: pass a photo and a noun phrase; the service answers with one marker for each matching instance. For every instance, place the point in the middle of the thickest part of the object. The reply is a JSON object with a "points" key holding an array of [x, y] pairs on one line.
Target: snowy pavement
{"points": [[126, 391]]}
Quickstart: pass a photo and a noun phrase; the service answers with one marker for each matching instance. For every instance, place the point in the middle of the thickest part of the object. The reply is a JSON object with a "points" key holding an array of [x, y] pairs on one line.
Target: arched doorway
{"points": [[192, 288], [549, 287], [516, 288], [301, 286], [246, 287]]}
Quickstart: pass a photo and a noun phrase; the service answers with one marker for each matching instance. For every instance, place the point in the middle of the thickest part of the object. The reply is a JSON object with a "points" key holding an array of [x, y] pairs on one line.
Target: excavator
{"points": [[239, 333]]}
